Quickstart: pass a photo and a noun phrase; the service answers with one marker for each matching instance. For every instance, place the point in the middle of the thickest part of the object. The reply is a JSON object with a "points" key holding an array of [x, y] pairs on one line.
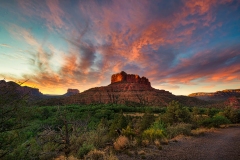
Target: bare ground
{"points": [[222, 144]]}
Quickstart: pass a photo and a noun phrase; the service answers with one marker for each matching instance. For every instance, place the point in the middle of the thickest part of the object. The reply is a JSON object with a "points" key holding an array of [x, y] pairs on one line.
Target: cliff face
{"points": [[219, 95], [123, 77], [121, 93]]}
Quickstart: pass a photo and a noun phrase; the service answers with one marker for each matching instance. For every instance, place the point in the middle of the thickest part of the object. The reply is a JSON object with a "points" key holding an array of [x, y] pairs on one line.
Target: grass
{"points": [[201, 131]]}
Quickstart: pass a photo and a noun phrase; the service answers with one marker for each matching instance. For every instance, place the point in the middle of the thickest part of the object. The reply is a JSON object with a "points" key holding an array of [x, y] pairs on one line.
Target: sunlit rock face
{"points": [[129, 78]]}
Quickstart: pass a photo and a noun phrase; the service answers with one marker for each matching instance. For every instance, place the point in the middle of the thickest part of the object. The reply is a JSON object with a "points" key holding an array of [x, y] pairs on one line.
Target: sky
{"points": [[182, 46]]}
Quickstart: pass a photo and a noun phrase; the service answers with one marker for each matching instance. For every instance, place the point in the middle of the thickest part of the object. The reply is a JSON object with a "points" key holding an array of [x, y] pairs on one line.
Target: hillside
{"points": [[217, 96], [14, 90]]}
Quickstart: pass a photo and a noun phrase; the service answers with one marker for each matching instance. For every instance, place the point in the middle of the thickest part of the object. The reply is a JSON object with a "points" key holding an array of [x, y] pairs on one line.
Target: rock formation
{"points": [[71, 92], [127, 89], [123, 77]]}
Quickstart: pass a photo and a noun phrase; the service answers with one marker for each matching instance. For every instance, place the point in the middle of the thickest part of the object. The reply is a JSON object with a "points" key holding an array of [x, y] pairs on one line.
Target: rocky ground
{"points": [[221, 144]]}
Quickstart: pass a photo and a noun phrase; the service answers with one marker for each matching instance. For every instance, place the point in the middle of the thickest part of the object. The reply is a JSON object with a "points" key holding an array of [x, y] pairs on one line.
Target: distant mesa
{"points": [[216, 96], [71, 92], [123, 77]]}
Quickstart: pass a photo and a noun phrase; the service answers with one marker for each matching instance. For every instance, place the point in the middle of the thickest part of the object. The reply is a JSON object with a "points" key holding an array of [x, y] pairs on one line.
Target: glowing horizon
{"points": [[180, 46]]}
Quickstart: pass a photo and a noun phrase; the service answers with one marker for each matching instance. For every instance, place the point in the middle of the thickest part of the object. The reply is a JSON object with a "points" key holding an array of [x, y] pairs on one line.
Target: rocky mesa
{"points": [[71, 92], [128, 88]]}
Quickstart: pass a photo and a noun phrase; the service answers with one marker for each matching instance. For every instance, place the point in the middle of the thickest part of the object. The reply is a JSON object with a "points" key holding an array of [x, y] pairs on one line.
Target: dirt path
{"points": [[222, 144]]}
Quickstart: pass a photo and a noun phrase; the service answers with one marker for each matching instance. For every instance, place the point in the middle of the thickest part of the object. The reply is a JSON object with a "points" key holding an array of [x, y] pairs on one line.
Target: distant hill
{"points": [[217, 96], [12, 90]]}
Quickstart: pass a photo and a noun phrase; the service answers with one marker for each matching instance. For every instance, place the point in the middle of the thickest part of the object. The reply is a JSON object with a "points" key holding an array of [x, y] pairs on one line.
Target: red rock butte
{"points": [[123, 77]]}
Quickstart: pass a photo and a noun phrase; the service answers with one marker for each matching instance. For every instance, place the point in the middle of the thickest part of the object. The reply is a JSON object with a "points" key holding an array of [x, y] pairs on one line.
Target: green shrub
{"points": [[128, 132], [159, 125], [215, 121], [119, 122], [178, 129], [146, 122], [152, 134], [230, 113], [84, 150]]}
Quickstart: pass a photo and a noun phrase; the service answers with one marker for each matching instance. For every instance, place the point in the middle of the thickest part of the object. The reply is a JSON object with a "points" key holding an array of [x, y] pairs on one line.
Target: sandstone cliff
{"points": [[123, 77]]}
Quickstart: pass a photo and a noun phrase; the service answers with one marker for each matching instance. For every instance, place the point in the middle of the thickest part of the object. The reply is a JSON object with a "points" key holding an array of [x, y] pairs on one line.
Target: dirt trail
{"points": [[222, 144]]}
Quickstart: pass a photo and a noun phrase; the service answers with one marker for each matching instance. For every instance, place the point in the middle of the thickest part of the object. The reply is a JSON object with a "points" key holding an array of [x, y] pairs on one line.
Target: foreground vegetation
{"points": [[98, 131]]}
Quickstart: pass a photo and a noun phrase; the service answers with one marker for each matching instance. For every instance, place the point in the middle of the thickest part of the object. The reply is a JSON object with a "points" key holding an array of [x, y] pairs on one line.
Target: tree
{"points": [[176, 113], [146, 122], [119, 122], [230, 114], [12, 115], [57, 138]]}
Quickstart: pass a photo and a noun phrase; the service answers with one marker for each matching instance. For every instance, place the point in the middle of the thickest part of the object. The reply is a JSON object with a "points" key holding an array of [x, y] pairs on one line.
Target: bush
{"points": [[95, 155], [121, 143], [230, 113], [128, 132], [215, 121], [152, 134], [84, 150], [178, 129], [146, 122], [119, 122], [159, 125]]}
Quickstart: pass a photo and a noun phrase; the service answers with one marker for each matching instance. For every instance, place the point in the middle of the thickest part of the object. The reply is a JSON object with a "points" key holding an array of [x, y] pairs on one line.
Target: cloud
{"points": [[168, 42], [218, 64], [5, 45], [20, 33], [50, 11]]}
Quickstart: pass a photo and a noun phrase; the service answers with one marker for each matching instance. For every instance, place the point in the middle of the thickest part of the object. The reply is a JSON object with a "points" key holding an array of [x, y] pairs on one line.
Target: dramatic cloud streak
{"points": [[176, 44]]}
